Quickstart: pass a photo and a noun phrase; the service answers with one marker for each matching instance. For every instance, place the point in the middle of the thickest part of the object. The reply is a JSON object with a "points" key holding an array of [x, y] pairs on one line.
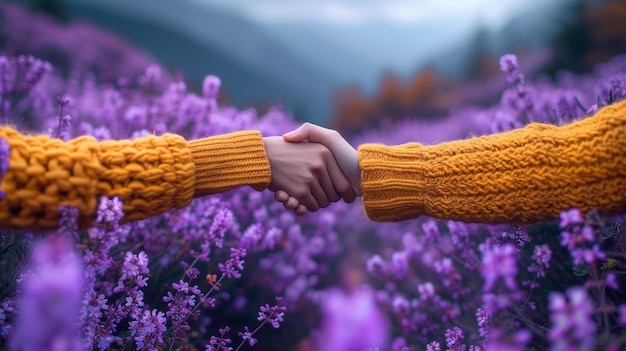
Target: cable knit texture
{"points": [[150, 175], [522, 176]]}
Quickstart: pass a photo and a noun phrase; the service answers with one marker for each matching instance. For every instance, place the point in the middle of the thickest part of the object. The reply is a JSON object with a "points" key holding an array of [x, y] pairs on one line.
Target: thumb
{"points": [[313, 133], [297, 135]]}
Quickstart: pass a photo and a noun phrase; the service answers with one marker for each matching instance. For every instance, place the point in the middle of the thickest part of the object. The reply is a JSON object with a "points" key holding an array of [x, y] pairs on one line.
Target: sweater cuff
{"points": [[393, 182], [227, 161]]}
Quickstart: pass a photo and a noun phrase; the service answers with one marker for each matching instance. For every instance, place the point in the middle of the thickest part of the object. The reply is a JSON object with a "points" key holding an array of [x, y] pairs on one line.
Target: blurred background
{"points": [[348, 64]]}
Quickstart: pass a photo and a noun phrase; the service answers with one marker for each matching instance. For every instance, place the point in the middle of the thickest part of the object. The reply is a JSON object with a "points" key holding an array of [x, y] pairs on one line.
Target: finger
{"points": [[321, 200], [291, 204], [300, 211], [328, 187], [340, 182], [308, 200], [281, 196], [314, 133]]}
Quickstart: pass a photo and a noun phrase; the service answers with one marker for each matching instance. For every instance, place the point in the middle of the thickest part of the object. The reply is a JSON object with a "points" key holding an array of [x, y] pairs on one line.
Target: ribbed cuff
{"points": [[227, 161], [392, 181]]}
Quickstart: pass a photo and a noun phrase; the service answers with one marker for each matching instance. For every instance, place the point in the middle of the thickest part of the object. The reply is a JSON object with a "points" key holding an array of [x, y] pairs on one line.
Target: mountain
{"points": [[254, 67], [369, 49], [302, 63]]}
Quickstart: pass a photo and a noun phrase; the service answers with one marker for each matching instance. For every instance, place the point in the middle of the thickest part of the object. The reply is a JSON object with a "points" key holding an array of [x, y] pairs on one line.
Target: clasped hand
{"points": [[312, 167]]}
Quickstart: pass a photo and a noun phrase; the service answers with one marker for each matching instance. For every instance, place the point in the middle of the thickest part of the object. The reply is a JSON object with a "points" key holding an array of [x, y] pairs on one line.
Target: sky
{"points": [[350, 42], [491, 13]]}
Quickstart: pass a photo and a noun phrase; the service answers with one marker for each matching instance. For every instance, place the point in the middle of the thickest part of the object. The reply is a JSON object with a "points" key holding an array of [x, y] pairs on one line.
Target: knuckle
{"points": [[300, 193]]}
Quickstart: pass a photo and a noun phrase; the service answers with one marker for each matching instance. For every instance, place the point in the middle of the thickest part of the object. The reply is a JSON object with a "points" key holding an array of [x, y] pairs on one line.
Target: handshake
{"points": [[311, 167]]}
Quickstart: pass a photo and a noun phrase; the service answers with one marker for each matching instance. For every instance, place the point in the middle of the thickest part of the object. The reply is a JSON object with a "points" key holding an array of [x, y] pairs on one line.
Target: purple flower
{"points": [[399, 344], [508, 63], [68, 222], [352, 321], [541, 255], [134, 271], [211, 87], [483, 318], [431, 230], [151, 77], [577, 236], [148, 329], [234, 265], [499, 263], [453, 339], [611, 281], [448, 274], [375, 264], [247, 336], [110, 211], [499, 341], [252, 236], [274, 314], [433, 346], [570, 217], [50, 299], [5, 154], [222, 222], [220, 343], [426, 290], [572, 320], [399, 264], [588, 255]]}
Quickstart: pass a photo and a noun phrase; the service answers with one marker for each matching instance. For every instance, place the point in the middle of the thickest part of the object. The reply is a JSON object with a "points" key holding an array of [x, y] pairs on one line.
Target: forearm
{"points": [[150, 175], [522, 176]]}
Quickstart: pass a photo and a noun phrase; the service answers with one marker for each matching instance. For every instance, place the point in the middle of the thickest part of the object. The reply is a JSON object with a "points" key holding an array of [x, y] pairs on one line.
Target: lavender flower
{"points": [[234, 265], [577, 236], [570, 217], [499, 263], [147, 329], [483, 318], [541, 255], [110, 211], [453, 339], [499, 341], [508, 63], [588, 255], [134, 271], [611, 281], [274, 314], [50, 298], [295, 254], [572, 323], [352, 321], [247, 336], [211, 87], [220, 343], [69, 220], [5, 154]]}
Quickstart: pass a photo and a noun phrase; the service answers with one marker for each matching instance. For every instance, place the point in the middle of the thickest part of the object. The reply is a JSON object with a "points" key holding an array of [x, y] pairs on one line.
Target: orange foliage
{"points": [[426, 95], [608, 25]]}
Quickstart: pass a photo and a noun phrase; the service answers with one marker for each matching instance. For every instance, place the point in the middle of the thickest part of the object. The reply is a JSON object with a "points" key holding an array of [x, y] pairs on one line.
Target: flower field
{"points": [[236, 271]]}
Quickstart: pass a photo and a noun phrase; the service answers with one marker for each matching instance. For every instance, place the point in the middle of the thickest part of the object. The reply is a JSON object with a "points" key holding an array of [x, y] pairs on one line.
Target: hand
{"points": [[345, 155], [306, 171]]}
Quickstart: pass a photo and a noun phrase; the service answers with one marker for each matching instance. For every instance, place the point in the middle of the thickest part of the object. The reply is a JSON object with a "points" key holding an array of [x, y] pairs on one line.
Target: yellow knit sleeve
{"points": [[150, 175], [230, 160], [522, 176]]}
